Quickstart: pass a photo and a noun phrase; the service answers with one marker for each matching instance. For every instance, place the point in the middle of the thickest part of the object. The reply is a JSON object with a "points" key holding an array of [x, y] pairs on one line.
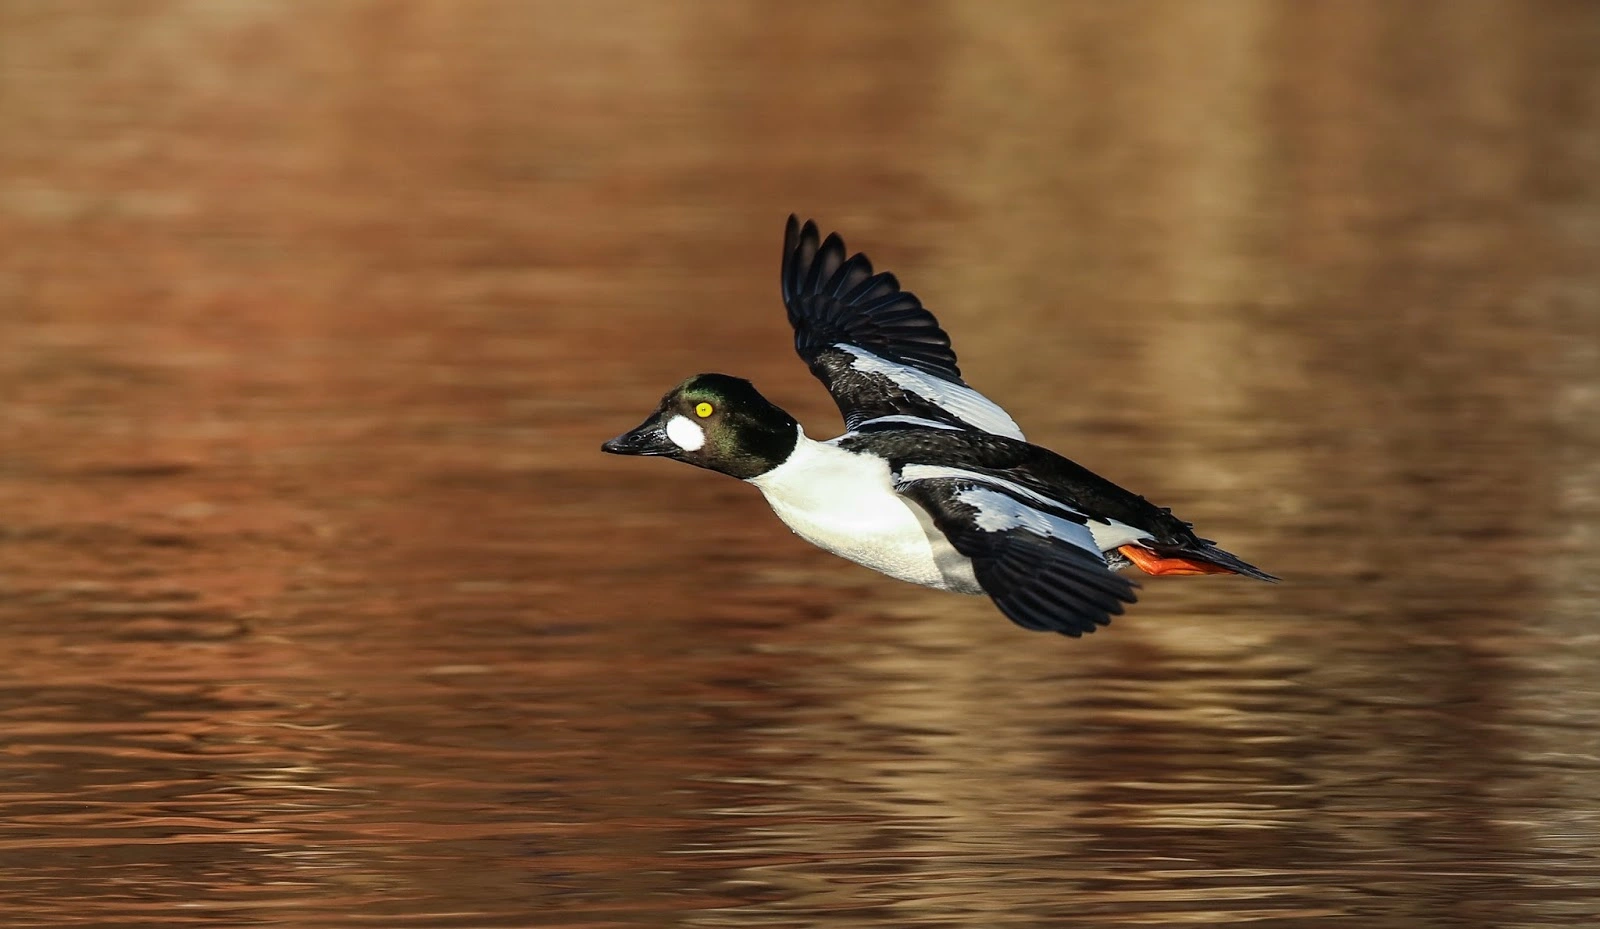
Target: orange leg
{"points": [[1151, 563]]}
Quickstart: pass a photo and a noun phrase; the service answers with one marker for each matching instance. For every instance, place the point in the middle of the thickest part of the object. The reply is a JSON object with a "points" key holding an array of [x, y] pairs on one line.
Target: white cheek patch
{"points": [[685, 434]]}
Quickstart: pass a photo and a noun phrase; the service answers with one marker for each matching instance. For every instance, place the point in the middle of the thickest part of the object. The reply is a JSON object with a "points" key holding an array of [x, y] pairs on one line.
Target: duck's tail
{"points": [[1199, 557]]}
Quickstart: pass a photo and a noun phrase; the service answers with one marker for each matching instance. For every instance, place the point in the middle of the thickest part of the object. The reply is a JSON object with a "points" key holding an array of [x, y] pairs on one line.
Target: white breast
{"points": [[845, 503]]}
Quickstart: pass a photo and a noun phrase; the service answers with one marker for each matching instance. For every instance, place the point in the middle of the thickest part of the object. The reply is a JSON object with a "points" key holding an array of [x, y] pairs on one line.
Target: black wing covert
{"points": [[873, 345], [1042, 569]]}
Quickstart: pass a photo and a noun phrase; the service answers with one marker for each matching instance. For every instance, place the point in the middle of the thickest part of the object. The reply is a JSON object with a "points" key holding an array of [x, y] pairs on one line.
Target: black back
{"points": [[1038, 469]]}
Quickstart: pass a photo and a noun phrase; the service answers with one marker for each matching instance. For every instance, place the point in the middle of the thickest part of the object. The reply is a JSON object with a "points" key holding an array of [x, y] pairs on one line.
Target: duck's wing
{"points": [[878, 351], [1036, 559]]}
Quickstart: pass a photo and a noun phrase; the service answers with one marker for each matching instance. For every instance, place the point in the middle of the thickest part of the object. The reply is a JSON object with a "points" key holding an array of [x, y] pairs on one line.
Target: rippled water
{"points": [[320, 608]]}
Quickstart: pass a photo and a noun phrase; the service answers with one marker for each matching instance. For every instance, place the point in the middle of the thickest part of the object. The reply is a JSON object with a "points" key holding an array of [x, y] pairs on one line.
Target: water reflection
{"points": [[321, 609]]}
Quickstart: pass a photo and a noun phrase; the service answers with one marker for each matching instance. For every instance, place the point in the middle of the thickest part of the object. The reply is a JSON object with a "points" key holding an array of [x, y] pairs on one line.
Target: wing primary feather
{"points": [[833, 298], [1036, 568], [874, 287], [850, 276], [828, 259], [876, 348], [799, 251]]}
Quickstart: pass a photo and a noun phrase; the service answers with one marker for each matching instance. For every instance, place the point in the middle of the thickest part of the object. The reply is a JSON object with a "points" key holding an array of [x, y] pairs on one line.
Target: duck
{"points": [[931, 483]]}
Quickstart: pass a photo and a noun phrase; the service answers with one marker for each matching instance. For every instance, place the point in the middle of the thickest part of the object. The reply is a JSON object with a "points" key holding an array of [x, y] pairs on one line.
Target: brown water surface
{"points": [[319, 606]]}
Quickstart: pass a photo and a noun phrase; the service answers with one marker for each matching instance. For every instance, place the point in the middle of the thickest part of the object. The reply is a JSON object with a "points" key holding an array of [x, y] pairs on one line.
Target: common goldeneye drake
{"points": [[932, 483]]}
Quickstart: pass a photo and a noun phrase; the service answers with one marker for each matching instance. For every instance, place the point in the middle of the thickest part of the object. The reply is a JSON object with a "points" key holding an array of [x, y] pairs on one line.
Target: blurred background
{"points": [[319, 606]]}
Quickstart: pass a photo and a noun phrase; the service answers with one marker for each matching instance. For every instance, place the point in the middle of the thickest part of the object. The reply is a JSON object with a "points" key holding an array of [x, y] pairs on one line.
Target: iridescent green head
{"points": [[717, 422]]}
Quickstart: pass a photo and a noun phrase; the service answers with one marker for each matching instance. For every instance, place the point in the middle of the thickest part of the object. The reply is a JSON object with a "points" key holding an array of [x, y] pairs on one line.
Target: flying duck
{"points": [[932, 482]]}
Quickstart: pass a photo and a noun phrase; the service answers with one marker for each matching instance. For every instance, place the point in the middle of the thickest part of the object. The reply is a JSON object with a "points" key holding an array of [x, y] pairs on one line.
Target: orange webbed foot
{"points": [[1161, 566]]}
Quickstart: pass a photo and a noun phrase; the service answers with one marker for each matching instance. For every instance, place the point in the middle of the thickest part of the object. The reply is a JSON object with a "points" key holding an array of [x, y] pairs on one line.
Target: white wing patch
{"points": [[998, 512], [1111, 533], [965, 403], [1105, 534], [899, 419], [922, 472]]}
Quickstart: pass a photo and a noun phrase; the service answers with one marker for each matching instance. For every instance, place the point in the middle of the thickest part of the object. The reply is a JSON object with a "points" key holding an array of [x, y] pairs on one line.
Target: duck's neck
{"points": [[754, 449]]}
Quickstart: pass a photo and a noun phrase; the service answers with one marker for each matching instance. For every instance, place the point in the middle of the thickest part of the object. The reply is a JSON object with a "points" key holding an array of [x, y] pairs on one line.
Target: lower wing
{"points": [[1041, 568]]}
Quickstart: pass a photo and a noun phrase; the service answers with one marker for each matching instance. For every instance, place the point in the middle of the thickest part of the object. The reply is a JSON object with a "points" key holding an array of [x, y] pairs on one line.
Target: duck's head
{"points": [[717, 422]]}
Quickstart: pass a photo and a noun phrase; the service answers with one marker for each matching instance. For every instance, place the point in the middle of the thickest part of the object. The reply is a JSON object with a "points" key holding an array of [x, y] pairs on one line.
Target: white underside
{"points": [[845, 503]]}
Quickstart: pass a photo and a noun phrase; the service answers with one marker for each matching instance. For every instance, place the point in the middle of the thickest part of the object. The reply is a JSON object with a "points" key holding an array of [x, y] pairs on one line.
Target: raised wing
{"points": [[1038, 563], [873, 345]]}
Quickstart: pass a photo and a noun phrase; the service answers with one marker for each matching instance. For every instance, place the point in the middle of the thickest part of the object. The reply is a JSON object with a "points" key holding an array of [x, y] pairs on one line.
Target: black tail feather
{"points": [[1210, 554]]}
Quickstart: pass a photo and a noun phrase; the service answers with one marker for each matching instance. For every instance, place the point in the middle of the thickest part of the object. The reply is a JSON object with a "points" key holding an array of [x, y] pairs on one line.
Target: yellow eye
{"points": [[703, 410]]}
